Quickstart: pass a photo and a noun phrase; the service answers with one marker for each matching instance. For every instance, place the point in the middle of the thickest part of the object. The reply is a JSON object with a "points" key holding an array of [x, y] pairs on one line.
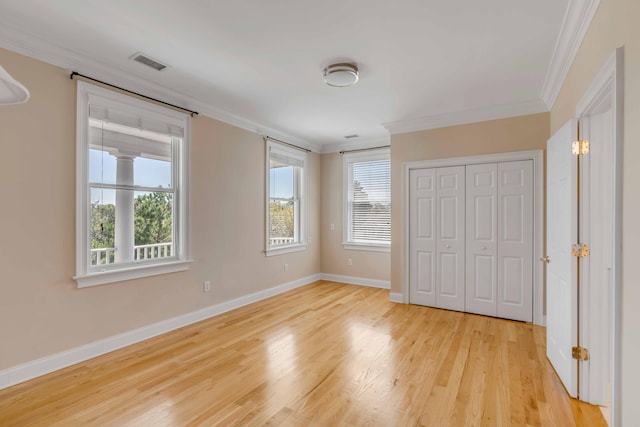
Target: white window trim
{"points": [[347, 158], [87, 276], [300, 155]]}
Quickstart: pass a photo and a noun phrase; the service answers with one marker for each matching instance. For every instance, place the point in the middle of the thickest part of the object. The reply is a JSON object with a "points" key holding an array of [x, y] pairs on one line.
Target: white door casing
{"points": [[600, 111], [562, 268], [423, 237], [450, 231], [481, 233], [515, 240]]}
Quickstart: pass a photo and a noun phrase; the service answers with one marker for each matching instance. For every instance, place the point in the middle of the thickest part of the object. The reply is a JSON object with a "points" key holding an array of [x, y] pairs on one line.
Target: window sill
{"points": [[285, 249], [137, 272], [367, 247]]}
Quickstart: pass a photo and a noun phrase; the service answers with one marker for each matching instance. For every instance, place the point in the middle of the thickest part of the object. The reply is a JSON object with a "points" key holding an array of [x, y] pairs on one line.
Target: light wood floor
{"points": [[323, 355]]}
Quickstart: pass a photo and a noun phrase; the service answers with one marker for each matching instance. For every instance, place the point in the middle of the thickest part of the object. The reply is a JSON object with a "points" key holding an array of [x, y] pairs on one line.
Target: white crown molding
{"points": [[355, 145], [25, 44], [455, 118], [45, 365], [577, 20]]}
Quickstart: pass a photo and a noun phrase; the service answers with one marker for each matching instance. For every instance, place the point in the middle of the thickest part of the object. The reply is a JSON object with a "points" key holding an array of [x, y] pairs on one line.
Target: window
{"points": [[132, 194], [367, 200], [285, 199]]}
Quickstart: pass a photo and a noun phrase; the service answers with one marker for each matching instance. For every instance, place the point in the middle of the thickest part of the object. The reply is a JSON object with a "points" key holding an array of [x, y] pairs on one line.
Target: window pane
{"points": [[148, 215], [102, 167], [152, 172], [153, 217], [102, 224], [281, 214], [151, 154], [281, 183], [283, 203]]}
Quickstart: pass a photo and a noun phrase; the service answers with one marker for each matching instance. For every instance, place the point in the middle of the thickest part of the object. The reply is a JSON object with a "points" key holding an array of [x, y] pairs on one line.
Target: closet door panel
{"points": [[422, 245], [450, 272], [481, 239], [515, 240]]}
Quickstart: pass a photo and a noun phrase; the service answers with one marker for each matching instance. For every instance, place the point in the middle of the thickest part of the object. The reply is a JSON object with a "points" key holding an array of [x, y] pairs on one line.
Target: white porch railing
{"points": [[157, 250], [104, 256], [280, 240]]}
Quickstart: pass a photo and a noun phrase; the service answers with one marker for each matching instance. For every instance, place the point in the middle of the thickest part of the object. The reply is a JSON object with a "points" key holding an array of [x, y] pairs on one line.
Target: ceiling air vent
{"points": [[149, 62], [351, 136]]}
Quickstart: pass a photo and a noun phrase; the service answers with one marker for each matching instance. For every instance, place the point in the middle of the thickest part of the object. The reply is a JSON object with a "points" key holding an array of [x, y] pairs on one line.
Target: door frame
{"points": [[538, 202], [608, 83]]}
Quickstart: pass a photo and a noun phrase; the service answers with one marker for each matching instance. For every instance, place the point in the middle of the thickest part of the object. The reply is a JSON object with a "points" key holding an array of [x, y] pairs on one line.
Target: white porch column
{"points": [[124, 233]]}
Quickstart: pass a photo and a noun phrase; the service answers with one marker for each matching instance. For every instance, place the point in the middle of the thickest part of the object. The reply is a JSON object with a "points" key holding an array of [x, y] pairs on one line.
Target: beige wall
{"points": [[497, 136], [367, 264], [614, 25], [41, 310]]}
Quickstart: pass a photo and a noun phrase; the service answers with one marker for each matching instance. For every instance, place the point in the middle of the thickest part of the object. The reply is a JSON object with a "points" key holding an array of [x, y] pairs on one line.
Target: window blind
{"points": [[370, 201]]}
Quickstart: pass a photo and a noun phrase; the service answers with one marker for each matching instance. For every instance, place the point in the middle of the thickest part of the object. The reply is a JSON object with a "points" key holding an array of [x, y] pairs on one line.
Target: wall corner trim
{"points": [[26, 371], [577, 20]]}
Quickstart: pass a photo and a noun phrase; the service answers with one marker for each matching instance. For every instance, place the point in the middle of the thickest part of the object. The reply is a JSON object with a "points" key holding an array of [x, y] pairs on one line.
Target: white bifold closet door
{"points": [[471, 238], [422, 223], [499, 274], [482, 239], [437, 241], [450, 232], [515, 240]]}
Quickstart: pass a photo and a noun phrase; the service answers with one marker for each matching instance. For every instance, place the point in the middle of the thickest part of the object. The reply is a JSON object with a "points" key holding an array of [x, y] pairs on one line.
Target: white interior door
{"points": [[481, 234], [562, 268], [450, 244], [422, 245], [515, 240]]}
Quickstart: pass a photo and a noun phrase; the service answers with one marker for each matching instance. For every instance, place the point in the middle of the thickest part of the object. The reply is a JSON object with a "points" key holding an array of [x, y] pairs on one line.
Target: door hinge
{"points": [[580, 250], [580, 353], [580, 147]]}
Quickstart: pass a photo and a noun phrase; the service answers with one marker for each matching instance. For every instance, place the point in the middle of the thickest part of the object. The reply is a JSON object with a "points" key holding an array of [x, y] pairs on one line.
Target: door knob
{"points": [[545, 259]]}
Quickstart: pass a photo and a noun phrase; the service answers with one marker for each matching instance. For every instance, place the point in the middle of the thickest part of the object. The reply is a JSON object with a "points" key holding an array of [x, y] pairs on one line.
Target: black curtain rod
{"points": [[290, 145], [365, 149], [73, 74]]}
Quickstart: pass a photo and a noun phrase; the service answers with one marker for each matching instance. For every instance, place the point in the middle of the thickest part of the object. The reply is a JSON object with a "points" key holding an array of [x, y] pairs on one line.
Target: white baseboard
{"points": [[373, 283], [395, 297], [45, 365]]}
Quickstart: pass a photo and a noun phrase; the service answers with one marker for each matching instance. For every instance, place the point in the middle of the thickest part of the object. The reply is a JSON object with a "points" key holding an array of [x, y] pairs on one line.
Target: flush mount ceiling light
{"points": [[341, 75], [11, 91]]}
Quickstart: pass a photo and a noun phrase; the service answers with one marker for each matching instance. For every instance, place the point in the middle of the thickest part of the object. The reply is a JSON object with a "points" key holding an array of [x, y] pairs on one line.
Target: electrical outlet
{"points": [[286, 267], [349, 261], [332, 227], [206, 286]]}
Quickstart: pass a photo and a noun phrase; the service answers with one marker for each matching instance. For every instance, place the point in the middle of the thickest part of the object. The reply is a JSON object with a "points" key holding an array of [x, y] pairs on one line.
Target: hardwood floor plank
{"points": [[327, 354]]}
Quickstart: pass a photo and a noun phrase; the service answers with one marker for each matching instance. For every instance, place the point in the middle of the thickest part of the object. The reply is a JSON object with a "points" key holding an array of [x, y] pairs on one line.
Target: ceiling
{"points": [[258, 64]]}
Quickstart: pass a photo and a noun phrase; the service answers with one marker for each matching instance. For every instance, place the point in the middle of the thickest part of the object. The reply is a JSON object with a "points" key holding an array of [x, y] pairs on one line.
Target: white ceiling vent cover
{"points": [[149, 62]]}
